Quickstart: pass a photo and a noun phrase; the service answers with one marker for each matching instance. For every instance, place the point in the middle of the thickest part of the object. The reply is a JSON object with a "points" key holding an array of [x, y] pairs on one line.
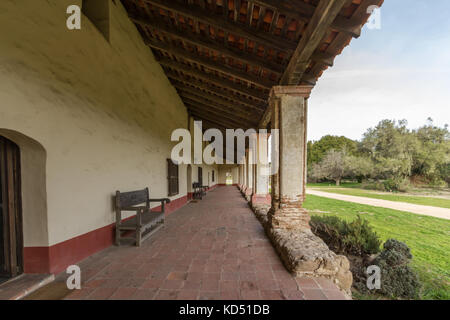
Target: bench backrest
{"points": [[132, 198]]}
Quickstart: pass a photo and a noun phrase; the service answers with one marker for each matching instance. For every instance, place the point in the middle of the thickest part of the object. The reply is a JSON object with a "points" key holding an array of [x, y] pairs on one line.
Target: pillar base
{"points": [[248, 194], [261, 203], [293, 218], [305, 254]]}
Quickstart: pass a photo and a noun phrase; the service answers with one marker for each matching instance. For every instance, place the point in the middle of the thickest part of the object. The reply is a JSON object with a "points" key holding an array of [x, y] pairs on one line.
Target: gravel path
{"points": [[437, 212]]}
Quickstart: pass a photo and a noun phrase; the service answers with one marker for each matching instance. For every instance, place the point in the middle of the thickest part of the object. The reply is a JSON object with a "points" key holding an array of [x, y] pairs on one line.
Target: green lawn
{"points": [[428, 238], [352, 190]]}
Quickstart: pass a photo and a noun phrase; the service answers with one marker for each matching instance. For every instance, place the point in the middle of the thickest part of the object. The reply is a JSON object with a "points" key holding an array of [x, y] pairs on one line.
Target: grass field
{"points": [[352, 189], [428, 238]]}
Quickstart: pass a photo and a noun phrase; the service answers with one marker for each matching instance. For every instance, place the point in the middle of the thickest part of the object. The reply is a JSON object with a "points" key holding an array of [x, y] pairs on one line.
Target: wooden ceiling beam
{"points": [[211, 64], [200, 112], [188, 97], [325, 13], [196, 40], [304, 11], [214, 98], [227, 25], [200, 86], [221, 82], [219, 108]]}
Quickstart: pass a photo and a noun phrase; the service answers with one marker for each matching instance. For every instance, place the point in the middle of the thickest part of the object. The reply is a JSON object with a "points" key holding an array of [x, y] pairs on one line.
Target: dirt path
{"points": [[442, 213]]}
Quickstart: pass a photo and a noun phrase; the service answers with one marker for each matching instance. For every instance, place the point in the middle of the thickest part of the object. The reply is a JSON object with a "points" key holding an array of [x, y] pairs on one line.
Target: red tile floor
{"points": [[211, 249]]}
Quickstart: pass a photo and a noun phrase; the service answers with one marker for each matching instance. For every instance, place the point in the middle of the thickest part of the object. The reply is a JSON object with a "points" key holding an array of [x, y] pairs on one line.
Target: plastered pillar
{"points": [[250, 166], [289, 115], [261, 197]]}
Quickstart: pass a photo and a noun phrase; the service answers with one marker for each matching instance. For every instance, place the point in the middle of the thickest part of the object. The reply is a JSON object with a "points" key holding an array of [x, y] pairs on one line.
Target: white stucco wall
{"points": [[232, 169], [103, 111]]}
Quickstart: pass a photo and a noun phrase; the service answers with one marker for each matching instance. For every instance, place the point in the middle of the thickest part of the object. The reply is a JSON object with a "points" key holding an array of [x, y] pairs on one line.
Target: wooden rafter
{"points": [[304, 12], [326, 12], [221, 82], [211, 96], [224, 56], [211, 64], [219, 22], [205, 88], [203, 42], [215, 106]]}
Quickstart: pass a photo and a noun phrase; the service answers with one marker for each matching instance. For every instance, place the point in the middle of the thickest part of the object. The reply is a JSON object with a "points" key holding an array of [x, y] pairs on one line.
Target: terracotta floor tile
{"points": [[314, 294], [123, 294], [212, 249]]}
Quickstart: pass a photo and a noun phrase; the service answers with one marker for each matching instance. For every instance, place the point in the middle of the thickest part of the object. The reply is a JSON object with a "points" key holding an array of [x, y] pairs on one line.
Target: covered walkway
{"points": [[211, 249]]}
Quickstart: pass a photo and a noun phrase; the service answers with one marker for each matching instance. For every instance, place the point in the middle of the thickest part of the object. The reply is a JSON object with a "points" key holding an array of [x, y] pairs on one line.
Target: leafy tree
{"points": [[359, 167], [389, 152], [332, 167], [318, 149], [391, 146], [432, 158]]}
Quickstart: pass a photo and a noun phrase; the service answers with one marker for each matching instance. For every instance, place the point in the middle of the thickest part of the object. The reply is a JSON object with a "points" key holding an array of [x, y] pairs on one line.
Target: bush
{"points": [[398, 280], [356, 237], [397, 184]]}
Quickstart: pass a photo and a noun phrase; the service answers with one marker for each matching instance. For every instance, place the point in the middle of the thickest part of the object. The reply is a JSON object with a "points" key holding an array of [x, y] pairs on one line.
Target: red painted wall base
{"points": [[57, 258]]}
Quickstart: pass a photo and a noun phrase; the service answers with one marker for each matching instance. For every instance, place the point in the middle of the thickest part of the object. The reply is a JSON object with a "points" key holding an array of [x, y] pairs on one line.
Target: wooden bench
{"points": [[199, 190], [144, 223]]}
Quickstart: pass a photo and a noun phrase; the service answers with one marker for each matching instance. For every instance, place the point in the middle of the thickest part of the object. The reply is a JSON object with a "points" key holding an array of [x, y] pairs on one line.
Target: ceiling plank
{"points": [[304, 12], [325, 13], [203, 42], [200, 112], [218, 107], [221, 82], [219, 22], [217, 99], [200, 86], [203, 110], [211, 64]]}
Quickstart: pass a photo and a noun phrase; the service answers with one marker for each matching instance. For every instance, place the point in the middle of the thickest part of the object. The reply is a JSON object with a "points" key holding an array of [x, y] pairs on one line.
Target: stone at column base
{"points": [[305, 254], [261, 204], [248, 194], [290, 218]]}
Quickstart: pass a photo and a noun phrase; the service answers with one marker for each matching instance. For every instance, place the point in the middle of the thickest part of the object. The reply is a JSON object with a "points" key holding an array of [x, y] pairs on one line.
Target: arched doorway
{"points": [[11, 231]]}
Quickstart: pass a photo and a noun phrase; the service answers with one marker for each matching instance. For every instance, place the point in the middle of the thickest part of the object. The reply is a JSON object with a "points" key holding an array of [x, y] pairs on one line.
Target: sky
{"points": [[401, 71]]}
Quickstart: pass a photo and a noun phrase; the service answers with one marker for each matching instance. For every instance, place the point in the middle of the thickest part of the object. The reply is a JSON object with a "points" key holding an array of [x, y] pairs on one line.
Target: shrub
{"points": [[397, 184], [398, 280], [356, 237]]}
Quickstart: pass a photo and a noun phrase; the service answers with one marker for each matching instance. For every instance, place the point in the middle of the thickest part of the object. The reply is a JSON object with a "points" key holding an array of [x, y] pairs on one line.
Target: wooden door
{"points": [[11, 237]]}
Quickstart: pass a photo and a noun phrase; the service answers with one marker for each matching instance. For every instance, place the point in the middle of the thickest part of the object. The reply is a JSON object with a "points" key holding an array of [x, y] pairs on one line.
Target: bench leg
{"points": [[117, 235], [138, 237]]}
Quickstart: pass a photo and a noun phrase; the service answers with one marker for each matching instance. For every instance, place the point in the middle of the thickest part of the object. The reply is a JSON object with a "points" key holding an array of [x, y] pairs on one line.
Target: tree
{"points": [[391, 146], [432, 158], [318, 149], [359, 168], [332, 167]]}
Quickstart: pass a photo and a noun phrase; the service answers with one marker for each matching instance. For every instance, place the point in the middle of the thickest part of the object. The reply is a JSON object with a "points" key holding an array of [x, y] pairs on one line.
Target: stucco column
{"points": [[249, 162], [289, 115], [261, 197]]}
